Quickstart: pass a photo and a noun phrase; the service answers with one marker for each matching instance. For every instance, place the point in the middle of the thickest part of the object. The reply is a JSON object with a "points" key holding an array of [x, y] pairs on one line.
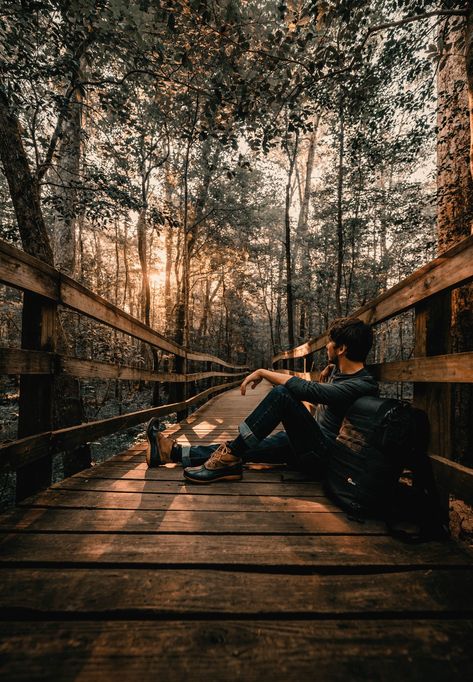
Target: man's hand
{"points": [[254, 379], [325, 373]]}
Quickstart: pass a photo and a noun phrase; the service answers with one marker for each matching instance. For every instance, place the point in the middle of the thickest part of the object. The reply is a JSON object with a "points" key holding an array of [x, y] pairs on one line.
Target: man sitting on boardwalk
{"points": [[306, 440]]}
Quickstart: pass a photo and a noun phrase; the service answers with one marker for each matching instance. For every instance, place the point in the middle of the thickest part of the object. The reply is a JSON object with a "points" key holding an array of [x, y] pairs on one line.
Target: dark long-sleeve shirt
{"points": [[334, 397]]}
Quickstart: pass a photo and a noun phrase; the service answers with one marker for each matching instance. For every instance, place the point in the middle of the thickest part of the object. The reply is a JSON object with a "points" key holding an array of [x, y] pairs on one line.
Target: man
{"points": [[305, 442]]}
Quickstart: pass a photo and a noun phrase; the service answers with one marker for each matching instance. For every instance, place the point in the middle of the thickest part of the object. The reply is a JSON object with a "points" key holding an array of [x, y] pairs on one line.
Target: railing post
{"points": [[180, 387], [39, 332], [208, 368], [432, 337]]}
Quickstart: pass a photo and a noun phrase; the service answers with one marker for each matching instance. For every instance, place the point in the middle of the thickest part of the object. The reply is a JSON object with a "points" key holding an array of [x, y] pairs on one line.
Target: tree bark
{"points": [[292, 156], [67, 171], [341, 152], [24, 187], [455, 213], [143, 256]]}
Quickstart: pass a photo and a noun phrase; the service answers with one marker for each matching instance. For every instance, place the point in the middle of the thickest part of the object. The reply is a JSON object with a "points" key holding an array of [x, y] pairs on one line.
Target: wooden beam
{"points": [[455, 478], [20, 270], [454, 368], [20, 361], [21, 452], [451, 269]]}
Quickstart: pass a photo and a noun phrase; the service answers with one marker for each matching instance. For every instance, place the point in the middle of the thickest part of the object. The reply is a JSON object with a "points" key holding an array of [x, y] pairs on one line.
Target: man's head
{"points": [[350, 337]]}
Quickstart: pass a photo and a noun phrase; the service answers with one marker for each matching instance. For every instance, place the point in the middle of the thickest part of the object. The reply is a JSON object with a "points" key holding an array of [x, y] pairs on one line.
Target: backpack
{"points": [[379, 439]]}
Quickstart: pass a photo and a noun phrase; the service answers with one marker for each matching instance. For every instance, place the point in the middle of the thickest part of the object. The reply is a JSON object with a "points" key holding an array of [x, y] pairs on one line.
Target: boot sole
{"points": [[229, 477]]}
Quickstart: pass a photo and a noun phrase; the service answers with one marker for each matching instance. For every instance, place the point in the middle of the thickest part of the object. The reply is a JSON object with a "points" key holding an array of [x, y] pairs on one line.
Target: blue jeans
{"points": [[301, 444]]}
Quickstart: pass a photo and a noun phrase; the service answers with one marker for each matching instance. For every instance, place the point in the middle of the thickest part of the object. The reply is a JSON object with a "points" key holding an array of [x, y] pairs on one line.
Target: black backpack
{"points": [[379, 439]]}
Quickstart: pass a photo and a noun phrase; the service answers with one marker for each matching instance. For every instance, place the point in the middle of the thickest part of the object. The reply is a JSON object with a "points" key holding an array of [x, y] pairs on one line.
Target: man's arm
{"points": [[275, 378]]}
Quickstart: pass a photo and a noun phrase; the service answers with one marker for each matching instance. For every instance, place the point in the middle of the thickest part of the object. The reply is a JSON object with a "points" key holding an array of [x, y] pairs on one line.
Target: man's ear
{"points": [[341, 350]]}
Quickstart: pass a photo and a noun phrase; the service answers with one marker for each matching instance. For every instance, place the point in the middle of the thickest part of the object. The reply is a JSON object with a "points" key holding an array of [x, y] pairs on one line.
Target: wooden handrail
{"points": [[455, 368], [15, 361], [452, 269], [22, 271]]}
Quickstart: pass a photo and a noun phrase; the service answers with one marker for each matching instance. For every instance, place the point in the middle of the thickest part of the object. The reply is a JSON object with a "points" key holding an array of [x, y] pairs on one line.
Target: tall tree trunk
{"points": [[341, 152], [292, 156], [455, 213], [143, 256], [168, 246], [67, 409], [304, 276], [67, 174]]}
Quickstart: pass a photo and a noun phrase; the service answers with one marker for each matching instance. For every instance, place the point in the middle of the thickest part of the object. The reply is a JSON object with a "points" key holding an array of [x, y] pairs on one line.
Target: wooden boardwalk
{"points": [[126, 573]]}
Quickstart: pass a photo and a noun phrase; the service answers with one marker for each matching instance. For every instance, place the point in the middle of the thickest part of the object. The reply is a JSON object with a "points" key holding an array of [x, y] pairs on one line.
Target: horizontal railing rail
{"points": [[456, 368], [427, 291], [22, 271], [15, 361], [38, 364], [452, 269]]}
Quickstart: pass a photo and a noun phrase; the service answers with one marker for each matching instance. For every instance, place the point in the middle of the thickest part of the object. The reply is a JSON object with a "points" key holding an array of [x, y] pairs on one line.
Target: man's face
{"points": [[331, 352]]}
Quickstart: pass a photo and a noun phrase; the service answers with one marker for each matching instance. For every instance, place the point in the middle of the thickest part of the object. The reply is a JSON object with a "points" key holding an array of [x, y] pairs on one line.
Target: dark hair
{"points": [[354, 334]]}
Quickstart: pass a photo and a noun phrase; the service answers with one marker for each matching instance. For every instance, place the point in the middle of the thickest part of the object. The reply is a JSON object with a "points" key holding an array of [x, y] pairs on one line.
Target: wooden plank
{"points": [[111, 593], [19, 269], [324, 551], [71, 499], [78, 298], [25, 272], [20, 361], [21, 452], [39, 331], [188, 522], [180, 487], [173, 472], [452, 268], [230, 650], [454, 478], [432, 329], [102, 370], [454, 368]]}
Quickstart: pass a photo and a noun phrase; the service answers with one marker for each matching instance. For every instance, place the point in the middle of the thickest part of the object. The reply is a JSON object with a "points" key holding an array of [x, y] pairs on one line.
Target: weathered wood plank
{"points": [[71, 499], [222, 550], [25, 272], [336, 651], [152, 521], [146, 487], [454, 368], [21, 361], [140, 471], [144, 593], [455, 478], [451, 269]]}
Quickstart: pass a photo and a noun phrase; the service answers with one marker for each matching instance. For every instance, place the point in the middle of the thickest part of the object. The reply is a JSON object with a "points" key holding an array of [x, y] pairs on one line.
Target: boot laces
{"points": [[221, 453]]}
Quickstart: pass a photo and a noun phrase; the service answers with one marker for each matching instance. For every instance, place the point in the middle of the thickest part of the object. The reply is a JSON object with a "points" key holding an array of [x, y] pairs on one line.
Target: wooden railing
{"points": [[433, 367], [38, 363]]}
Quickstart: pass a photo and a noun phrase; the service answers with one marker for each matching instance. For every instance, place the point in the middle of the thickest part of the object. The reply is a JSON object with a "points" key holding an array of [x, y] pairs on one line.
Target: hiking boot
{"points": [[159, 447], [222, 465]]}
